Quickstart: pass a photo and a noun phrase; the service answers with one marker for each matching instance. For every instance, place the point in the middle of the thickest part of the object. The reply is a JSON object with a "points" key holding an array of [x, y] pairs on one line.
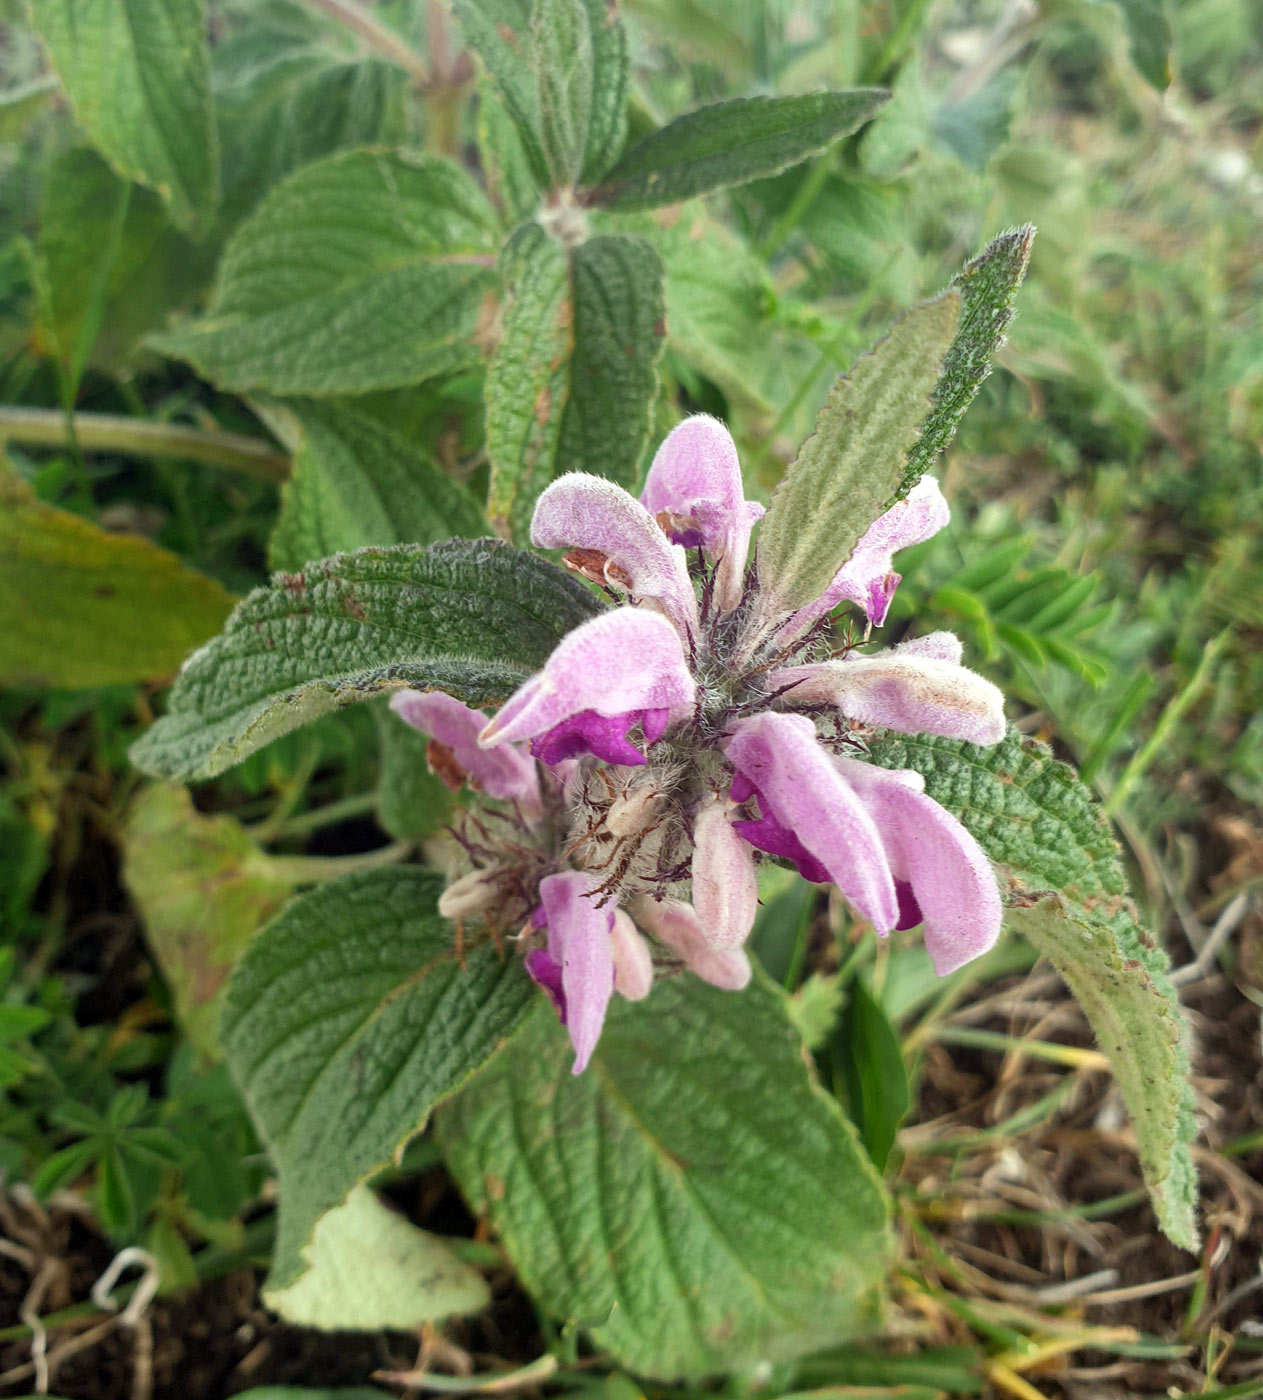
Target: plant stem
{"points": [[376, 35], [103, 432], [311, 870]]}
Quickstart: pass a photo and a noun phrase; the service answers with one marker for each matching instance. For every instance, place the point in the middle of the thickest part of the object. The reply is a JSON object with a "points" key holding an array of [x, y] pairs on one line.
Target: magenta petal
{"points": [[625, 662], [866, 578], [545, 971], [588, 732], [909, 910], [579, 939], [695, 480], [589, 512], [803, 795], [951, 880]]}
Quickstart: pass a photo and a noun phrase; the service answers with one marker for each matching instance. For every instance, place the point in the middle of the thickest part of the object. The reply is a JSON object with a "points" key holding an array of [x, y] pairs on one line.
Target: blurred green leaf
{"points": [[471, 617], [365, 270], [203, 888], [354, 483], [730, 143], [1149, 31], [871, 1061], [353, 1008], [80, 607], [136, 73], [411, 801]]}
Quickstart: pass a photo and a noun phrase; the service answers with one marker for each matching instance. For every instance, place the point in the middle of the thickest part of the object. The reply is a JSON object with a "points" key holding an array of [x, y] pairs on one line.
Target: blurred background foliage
{"points": [[1103, 561]]}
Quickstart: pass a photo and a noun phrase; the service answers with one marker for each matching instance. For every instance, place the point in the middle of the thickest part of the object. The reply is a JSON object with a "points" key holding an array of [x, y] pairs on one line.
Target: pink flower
{"points": [[692, 734]]}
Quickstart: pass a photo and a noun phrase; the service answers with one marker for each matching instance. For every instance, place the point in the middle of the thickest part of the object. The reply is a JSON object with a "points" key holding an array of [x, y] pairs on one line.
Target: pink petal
{"points": [[678, 926], [625, 664], [867, 578], [951, 878], [938, 646], [725, 885], [589, 512], [507, 773], [801, 789], [579, 943], [633, 962], [915, 694], [695, 479]]}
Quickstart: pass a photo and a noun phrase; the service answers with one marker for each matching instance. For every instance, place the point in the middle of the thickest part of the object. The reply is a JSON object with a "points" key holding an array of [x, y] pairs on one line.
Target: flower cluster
{"points": [[671, 739]]}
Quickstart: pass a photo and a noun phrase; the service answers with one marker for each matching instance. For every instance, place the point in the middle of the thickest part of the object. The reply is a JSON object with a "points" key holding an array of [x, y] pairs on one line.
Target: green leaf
{"points": [[507, 172], [137, 76], [851, 468], [499, 33], [692, 1199], [203, 888], [285, 99], [472, 617], [519, 59], [113, 264], [80, 607], [1149, 31], [619, 330], [356, 483], [729, 143], [369, 1269], [987, 287], [873, 1071], [349, 1018], [563, 67], [366, 270], [1067, 892], [571, 384]]}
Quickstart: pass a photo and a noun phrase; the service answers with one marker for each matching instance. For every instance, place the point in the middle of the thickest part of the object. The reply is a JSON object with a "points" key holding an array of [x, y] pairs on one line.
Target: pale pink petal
{"points": [[938, 646], [471, 894], [590, 512], [867, 577], [801, 792], [506, 773], [695, 481], [633, 962], [951, 879], [678, 927], [624, 665], [894, 690], [725, 884], [578, 944]]}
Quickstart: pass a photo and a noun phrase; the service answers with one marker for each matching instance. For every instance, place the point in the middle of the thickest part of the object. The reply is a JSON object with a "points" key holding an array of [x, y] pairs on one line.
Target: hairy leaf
{"points": [[356, 483], [499, 32], [80, 607], [1068, 894], [572, 381], [351, 1016], [563, 65], [137, 76], [472, 617], [852, 466], [619, 330], [521, 60], [987, 287], [692, 1198], [729, 143], [370, 1268], [366, 270]]}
